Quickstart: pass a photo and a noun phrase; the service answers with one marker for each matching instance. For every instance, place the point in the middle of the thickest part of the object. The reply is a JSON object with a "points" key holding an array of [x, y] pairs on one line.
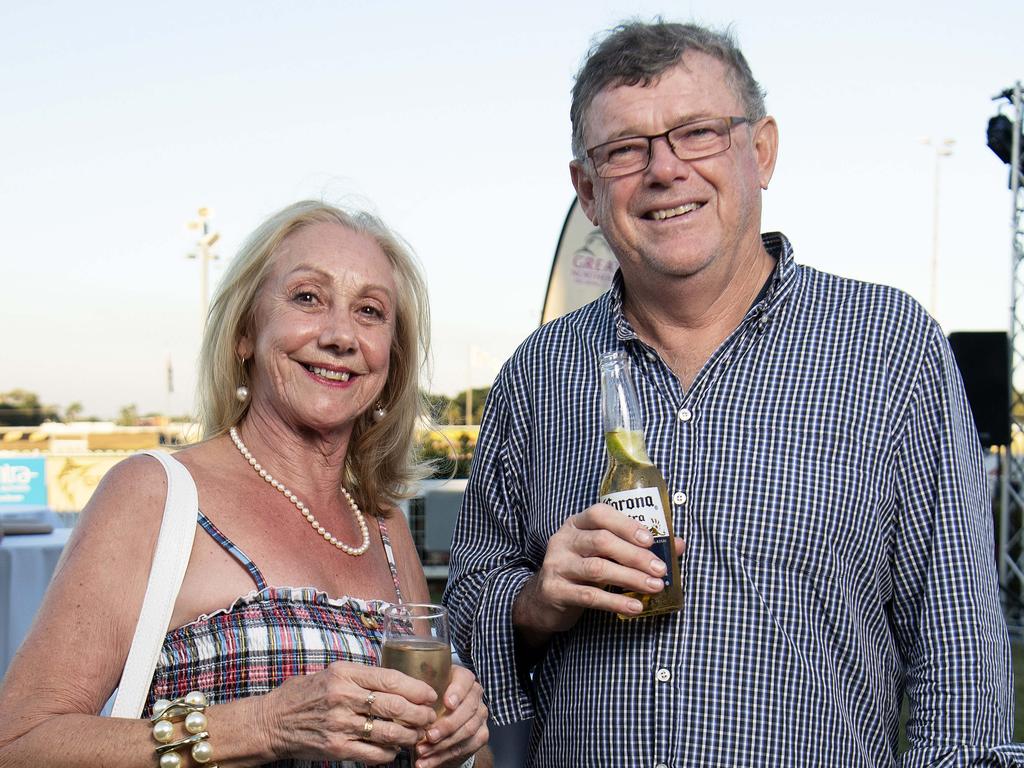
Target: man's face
{"points": [[677, 218]]}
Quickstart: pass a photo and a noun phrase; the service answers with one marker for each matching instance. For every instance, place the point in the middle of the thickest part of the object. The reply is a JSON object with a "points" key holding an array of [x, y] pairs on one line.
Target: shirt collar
{"points": [[778, 247]]}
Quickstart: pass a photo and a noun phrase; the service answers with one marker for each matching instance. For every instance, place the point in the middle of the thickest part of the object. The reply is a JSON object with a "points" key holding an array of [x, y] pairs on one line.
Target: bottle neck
{"points": [[620, 412], [620, 407]]}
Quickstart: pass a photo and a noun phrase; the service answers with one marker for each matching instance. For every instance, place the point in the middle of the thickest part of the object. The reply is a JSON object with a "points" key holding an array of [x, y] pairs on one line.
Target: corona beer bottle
{"points": [[632, 484]]}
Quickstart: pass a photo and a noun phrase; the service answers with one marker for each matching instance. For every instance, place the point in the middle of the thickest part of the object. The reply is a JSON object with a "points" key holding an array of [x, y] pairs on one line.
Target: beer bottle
{"points": [[632, 484]]}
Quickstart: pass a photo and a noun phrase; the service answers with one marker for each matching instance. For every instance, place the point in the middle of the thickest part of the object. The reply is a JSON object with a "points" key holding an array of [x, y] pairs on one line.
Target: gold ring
{"points": [[369, 702], [368, 727]]}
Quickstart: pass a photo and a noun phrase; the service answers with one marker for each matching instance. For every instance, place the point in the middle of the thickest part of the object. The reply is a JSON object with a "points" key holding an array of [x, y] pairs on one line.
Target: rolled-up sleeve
{"points": [[945, 611], [489, 565]]}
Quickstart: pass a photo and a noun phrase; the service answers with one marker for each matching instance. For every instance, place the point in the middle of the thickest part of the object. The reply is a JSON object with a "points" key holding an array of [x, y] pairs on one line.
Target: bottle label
{"points": [[644, 506]]}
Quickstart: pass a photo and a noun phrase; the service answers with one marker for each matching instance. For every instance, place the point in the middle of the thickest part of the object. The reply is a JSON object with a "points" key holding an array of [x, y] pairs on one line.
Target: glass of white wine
{"points": [[416, 643]]}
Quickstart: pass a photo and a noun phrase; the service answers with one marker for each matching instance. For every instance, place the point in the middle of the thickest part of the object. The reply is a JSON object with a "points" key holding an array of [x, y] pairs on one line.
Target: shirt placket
{"points": [[679, 448], [672, 451]]}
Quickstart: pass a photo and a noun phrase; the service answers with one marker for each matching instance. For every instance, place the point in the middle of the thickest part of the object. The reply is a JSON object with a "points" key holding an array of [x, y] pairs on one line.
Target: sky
{"points": [[450, 121]]}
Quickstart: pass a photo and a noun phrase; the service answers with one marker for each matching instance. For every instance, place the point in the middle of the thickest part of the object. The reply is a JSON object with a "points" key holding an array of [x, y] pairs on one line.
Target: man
{"points": [[820, 456]]}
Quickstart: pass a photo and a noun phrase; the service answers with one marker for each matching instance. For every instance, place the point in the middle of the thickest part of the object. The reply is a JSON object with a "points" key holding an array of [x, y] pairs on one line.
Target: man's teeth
{"points": [[332, 375], [668, 214]]}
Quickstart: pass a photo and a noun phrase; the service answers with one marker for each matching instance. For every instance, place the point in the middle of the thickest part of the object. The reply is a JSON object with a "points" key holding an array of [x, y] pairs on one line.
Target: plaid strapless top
{"points": [[267, 636]]}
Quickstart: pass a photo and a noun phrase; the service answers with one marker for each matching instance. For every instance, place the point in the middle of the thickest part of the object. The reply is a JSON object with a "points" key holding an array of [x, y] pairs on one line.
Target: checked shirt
{"points": [[825, 473]]}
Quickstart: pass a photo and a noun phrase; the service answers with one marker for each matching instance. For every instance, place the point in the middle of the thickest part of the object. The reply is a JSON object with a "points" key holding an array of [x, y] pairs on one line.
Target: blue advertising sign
{"points": [[22, 482]]}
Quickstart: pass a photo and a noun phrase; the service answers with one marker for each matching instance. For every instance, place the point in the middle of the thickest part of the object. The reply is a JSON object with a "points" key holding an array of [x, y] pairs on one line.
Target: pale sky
{"points": [[449, 120]]}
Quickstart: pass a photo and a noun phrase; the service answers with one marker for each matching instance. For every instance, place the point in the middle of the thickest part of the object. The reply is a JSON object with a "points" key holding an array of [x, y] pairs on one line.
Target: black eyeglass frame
{"points": [[731, 122]]}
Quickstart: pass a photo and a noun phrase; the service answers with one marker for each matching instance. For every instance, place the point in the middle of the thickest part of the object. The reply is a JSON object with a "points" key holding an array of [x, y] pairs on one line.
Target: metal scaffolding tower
{"points": [[1011, 517]]}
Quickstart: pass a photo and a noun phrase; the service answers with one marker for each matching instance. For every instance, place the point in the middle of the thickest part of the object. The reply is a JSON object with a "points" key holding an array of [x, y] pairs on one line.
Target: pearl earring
{"points": [[242, 393], [379, 412]]}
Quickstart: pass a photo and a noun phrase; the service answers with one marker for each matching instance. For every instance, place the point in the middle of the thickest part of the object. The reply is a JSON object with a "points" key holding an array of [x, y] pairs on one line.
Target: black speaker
{"points": [[984, 361]]}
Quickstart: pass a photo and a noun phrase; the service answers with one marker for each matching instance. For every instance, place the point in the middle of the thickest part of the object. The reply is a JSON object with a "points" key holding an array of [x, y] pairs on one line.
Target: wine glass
{"points": [[416, 643]]}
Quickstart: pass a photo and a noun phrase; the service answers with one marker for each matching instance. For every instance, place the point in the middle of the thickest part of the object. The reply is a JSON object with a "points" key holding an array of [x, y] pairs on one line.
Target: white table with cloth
{"points": [[26, 564]]}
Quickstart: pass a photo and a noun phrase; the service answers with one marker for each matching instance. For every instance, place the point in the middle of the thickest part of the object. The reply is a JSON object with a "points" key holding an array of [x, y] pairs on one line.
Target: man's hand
{"points": [[594, 549]]}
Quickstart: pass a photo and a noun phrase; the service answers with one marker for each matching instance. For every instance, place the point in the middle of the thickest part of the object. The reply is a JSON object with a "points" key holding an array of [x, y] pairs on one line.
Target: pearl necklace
{"points": [[303, 509]]}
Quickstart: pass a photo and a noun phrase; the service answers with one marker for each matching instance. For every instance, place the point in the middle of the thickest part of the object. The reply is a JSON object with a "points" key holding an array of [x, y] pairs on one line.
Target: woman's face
{"points": [[323, 327]]}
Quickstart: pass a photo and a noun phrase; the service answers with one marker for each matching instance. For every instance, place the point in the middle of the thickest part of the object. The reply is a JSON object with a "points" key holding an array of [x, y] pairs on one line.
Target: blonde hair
{"points": [[380, 464]]}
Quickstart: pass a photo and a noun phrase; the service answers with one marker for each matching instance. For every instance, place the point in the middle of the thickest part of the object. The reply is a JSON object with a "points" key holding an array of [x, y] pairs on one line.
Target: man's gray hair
{"points": [[639, 52]]}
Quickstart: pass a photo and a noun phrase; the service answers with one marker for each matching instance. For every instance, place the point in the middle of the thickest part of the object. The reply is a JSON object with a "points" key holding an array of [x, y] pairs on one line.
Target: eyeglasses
{"points": [[689, 141]]}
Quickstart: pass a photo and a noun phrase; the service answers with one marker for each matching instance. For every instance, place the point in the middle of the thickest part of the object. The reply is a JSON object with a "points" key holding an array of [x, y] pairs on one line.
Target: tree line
{"points": [[23, 408], [452, 410]]}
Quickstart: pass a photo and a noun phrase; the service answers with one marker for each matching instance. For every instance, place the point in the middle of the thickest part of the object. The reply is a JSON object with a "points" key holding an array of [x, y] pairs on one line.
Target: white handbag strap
{"points": [[173, 548]]}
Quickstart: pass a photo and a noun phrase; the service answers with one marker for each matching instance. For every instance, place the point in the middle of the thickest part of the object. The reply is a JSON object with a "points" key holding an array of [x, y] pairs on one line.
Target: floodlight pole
{"points": [[943, 149], [469, 386], [205, 255]]}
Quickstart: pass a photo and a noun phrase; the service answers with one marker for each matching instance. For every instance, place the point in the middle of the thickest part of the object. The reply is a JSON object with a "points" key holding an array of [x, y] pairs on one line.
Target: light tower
{"points": [[205, 255], [1004, 138], [943, 149]]}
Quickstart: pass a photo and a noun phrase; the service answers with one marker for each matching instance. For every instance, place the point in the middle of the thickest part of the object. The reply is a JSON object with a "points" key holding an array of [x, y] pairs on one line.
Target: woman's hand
{"points": [[349, 712], [461, 730]]}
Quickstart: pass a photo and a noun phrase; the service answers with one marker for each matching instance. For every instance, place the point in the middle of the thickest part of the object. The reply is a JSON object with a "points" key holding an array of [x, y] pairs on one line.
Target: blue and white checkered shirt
{"points": [[825, 472]]}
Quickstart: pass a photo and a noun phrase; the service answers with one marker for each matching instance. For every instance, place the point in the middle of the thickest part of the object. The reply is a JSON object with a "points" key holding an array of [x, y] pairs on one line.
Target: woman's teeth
{"points": [[328, 374]]}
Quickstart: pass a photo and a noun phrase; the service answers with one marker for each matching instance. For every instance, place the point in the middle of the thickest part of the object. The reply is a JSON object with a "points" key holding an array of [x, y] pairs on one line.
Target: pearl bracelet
{"points": [[189, 708]]}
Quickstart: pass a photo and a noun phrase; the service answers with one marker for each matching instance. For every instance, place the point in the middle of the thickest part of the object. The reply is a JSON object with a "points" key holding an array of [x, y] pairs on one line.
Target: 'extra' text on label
{"points": [[644, 505]]}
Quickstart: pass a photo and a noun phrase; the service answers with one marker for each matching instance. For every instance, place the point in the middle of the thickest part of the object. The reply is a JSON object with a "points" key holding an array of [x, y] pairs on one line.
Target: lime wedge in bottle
{"points": [[626, 447]]}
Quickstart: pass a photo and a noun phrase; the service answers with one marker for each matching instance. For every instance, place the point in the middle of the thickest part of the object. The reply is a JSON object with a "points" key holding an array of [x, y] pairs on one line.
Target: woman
{"points": [[309, 373]]}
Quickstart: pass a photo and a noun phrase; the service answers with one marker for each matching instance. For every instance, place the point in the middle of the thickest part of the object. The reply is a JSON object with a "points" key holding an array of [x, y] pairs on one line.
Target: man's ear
{"points": [[584, 186], [766, 149]]}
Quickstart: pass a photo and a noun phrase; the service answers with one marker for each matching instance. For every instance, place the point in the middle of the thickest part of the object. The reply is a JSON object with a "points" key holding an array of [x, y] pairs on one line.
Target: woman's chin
{"points": [[324, 423]]}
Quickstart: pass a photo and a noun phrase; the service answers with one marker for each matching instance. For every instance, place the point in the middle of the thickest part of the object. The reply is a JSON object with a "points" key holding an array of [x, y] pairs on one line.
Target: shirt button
{"points": [[663, 675], [661, 765], [679, 498], [685, 414]]}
